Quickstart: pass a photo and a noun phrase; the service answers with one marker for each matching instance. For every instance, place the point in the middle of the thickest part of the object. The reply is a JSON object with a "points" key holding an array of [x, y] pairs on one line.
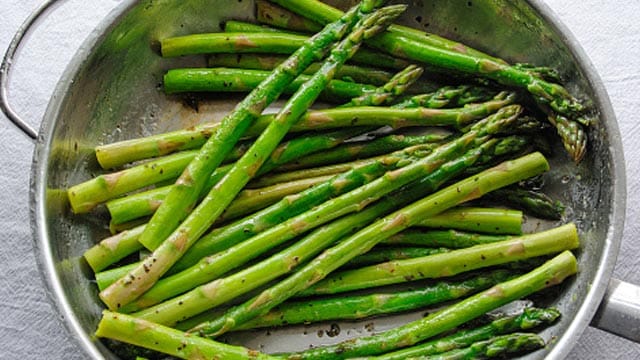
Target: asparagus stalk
{"points": [[568, 110], [115, 154], [359, 198], [530, 318], [221, 239], [170, 246], [358, 150], [113, 249], [263, 42], [222, 290], [485, 220], [397, 85], [87, 195], [357, 73], [224, 238], [385, 254], [365, 239], [244, 80], [551, 273], [448, 96], [289, 207], [128, 208], [357, 307], [322, 13], [511, 344], [248, 201], [453, 239], [451, 263], [481, 131], [172, 342], [211, 80], [272, 179]]}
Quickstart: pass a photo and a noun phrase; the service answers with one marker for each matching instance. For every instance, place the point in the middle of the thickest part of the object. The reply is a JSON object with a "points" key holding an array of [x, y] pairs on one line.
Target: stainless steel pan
{"points": [[110, 91]]}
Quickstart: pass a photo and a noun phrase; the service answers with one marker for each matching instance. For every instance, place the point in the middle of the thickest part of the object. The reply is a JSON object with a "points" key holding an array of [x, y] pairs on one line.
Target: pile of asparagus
{"points": [[309, 215]]}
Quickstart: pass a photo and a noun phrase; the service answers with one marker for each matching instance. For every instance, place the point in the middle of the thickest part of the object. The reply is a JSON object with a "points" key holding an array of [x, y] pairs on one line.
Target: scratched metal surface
{"points": [[30, 327]]}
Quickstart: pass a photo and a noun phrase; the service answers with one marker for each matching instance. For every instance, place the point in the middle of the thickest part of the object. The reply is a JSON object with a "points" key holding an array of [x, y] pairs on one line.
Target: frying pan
{"points": [[110, 92]]}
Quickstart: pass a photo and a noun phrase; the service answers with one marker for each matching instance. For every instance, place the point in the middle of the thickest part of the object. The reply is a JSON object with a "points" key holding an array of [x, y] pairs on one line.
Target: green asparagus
{"points": [[569, 112], [358, 74], [263, 42], [358, 150], [443, 238], [356, 307], [451, 263], [159, 233], [511, 344], [365, 239], [529, 318], [551, 273], [173, 342]]}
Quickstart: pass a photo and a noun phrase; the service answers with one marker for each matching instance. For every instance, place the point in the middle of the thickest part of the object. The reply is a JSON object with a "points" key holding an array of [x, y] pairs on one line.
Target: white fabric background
{"points": [[609, 31]]}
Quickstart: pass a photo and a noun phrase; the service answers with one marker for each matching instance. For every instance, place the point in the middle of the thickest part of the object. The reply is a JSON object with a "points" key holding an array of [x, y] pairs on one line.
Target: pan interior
{"points": [[112, 91]]}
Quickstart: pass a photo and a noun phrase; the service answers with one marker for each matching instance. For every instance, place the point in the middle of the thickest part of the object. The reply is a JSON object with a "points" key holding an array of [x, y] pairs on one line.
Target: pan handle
{"points": [[7, 62], [619, 312]]}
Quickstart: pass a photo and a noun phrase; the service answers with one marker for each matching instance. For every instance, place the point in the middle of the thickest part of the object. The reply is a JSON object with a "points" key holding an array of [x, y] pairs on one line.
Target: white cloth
{"points": [[29, 326]]}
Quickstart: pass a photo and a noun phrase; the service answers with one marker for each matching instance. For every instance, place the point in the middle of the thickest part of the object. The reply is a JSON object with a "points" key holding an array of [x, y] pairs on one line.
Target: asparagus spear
{"points": [[263, 42], [358, 150], [158, 231], [211, 80], [568, 112], [451, 263], [85, 196], [445, 238], [517, 343], [355, 307], [397, 85], [322, 13], [225, 289], [272, 179], [356, 73], [223, 238], [365, 239], [113, 249], [485, 220], [173, 342], [244, 80], [248, 201], [551, 273], [115, 154], [473, 138], [385, 254], [355, 200], [530, 318], [448, 96]]}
